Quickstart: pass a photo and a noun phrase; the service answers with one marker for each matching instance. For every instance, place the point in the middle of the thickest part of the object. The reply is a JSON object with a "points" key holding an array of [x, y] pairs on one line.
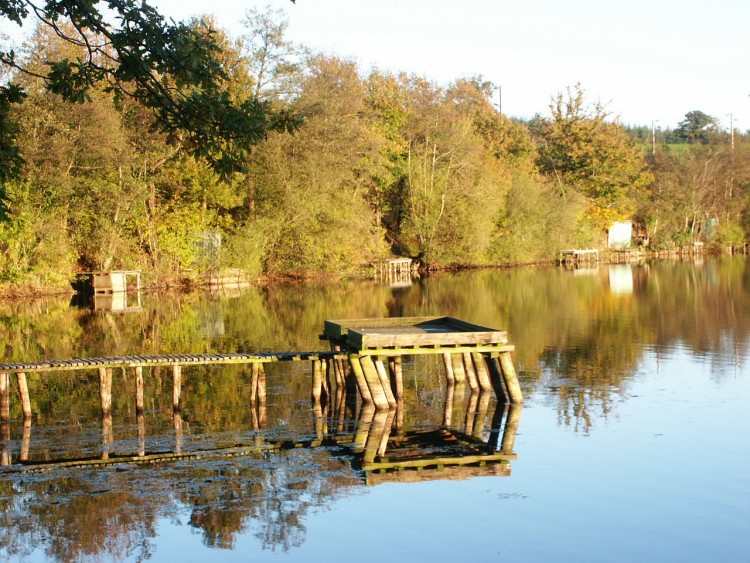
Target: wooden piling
{"points": [[325, 367], [471, 375], [483, 374], [385, 382], [449, 376], [176, 387], [511, 380], [372, 378], [4, 398], [317, 382], [262, 401], [105, 390], [459, 373], [397, 376], [359, 375], [138, 371], [496, 377], [23, 391]]}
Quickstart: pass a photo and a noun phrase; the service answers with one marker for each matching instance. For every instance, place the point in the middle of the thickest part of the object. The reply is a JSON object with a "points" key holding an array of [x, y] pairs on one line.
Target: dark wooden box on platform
{"points": [[361, 334]]}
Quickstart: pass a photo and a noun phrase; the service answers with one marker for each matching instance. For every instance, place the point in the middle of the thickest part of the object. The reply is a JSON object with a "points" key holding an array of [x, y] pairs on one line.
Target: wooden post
{"points": [[496, 377], [449, 376], [4, 398], [511, 380], [359, 374], [23, 391], [138, 390], [483, 374], [317, 382], [397, 376], [105, 390], [458, 368], [176, 387], [373, 383], [385, 383], [326, 366], [262, 413], [471, 375], [254, 372]]}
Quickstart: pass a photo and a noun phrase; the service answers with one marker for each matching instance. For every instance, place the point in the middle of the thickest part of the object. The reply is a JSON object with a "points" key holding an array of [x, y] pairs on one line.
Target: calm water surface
{"points": [[631, 444]]}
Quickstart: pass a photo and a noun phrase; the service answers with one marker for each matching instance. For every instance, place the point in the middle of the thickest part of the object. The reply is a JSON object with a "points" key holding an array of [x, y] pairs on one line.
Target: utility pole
{"points": [[653, 136]]}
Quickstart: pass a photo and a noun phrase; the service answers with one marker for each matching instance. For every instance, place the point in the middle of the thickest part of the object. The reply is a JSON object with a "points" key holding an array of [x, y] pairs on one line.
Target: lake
{"points": [[628, 445]]}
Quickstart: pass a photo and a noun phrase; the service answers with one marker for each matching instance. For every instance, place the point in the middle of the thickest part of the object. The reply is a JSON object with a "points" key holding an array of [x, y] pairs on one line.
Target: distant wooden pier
{"points": [[579, 256]]}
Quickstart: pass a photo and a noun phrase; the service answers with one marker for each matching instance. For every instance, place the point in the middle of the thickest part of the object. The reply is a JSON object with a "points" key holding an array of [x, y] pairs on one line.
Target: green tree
{"points": [[581, 150], [697, 127], [171, 68]]}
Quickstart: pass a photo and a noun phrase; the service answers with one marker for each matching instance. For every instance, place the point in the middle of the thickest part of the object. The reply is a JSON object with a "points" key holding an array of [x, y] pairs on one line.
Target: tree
{"points": [[172, 68], [697, 127], [581, 150]]}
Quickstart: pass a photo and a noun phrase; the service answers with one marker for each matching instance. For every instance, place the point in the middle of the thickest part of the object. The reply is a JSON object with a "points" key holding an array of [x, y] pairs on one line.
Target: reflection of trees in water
{"points": [[75, 518], [113, 514]]}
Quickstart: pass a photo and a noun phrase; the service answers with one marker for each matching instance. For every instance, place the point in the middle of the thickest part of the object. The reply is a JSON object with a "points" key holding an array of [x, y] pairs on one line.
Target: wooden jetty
{"points": [[366, 352], [579, 256], [114, 281], [471, 353]]}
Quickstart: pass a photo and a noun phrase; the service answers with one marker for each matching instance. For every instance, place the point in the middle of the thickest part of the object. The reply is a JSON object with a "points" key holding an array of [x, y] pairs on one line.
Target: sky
{"points": [[645, 60]]}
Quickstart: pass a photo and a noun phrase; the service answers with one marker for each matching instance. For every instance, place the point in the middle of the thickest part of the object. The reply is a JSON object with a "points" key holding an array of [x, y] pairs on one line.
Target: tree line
{"points": [[278, 161]]}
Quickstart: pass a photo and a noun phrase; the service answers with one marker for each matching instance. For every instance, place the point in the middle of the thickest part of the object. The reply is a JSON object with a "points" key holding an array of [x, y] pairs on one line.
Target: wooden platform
{"points": [[434, 333]]}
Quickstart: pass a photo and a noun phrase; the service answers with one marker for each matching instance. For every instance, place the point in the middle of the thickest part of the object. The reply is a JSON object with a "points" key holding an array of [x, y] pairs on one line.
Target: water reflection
{"points": [[583, 342], [270, 481]]}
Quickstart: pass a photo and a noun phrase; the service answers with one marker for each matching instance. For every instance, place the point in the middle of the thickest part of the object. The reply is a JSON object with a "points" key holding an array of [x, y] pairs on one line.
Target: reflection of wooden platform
{"points": [[436, 454]]}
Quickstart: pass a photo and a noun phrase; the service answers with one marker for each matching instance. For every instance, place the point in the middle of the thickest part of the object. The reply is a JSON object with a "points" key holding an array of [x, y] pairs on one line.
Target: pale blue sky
{"points": [[645, 59]]}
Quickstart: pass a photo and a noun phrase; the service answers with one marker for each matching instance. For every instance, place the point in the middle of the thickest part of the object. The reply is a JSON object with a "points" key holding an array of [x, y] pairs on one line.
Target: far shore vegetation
{"points": [[266, 158]]}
